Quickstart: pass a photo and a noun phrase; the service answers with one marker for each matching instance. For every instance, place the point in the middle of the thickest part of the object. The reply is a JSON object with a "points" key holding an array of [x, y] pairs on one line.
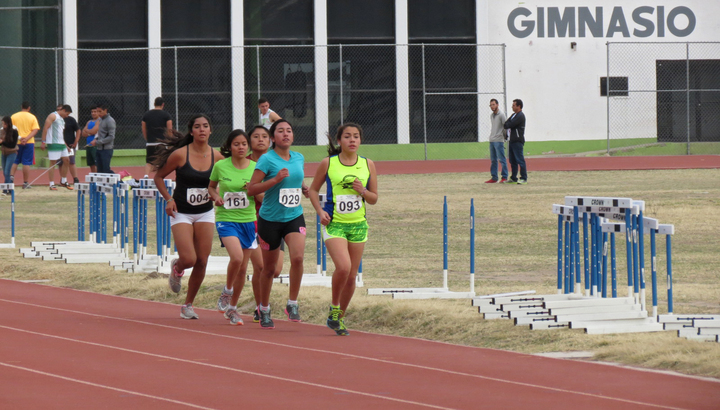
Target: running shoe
{"points": [[491, 181], [333, 320], [256, 316], [224, 302], [510, 181], [26, 185], [522, 182], [504, 180], [174, 280], [234, 317], [342, 331], [66, 185], [187, 312], [266, 321], [292, 312], [53, 188]]}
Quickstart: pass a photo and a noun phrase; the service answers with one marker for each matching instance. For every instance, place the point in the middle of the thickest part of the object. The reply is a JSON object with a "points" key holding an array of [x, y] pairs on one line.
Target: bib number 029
{"points": [[290, 197]]}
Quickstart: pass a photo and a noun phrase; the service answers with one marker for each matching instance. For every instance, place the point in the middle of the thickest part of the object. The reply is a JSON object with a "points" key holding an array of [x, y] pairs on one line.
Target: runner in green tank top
{"points": [[351, 184]]}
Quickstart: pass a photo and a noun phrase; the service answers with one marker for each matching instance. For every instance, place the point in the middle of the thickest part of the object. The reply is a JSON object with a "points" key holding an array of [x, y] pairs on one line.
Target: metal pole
{"points": [[342, 114], [504, 81], [687, 93], [57, 78], [177, 110], [424, 103], [257, 58], [607, 94]]}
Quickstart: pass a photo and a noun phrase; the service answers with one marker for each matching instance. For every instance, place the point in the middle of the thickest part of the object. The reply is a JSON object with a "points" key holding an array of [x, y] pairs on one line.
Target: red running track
{"points": [[483, 165], [68, 349]]}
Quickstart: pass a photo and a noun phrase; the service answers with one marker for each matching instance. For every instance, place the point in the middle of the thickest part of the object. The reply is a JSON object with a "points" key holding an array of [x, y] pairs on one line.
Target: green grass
{"points": [[516, 246]]}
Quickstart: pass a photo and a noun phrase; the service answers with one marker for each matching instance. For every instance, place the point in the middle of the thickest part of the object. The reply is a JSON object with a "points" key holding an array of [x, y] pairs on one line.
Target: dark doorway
{"points": [[672, 105]]}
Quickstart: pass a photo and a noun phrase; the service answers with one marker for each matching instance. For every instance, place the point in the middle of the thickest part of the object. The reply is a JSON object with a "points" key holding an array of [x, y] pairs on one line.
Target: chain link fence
{"points": [[663, 97], [444, 90]]}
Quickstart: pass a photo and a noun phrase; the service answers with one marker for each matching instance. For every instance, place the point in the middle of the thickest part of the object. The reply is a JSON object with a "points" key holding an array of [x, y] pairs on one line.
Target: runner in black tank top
{"points": [[192, 217], [188, 177]]}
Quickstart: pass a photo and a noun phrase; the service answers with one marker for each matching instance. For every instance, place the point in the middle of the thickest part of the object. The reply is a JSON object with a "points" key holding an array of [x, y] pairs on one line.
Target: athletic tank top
{"points": [[345, 205], [54, 138], [191, 195], [265, 119]]}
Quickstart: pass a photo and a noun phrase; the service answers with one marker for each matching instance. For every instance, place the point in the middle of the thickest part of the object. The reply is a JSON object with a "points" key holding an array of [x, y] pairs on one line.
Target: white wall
{"points": [[560, 87]]}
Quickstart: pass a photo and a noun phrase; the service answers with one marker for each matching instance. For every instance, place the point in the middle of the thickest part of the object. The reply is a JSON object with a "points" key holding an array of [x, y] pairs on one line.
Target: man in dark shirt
{"points": [[71, 135], [154, 125], [516, 125]]}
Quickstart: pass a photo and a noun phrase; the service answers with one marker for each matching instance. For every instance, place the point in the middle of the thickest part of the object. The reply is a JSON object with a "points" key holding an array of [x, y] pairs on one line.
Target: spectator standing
{"points": [[267, 116], [27, 125], [155, 123], [53, 140], [497, 143], [89, 132], [71, 135], [104, 140], [9, 144], [516, 125]]}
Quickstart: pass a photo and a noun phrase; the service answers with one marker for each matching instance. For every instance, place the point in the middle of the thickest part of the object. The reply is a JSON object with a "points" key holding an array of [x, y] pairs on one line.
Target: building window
{"points": [[279, 21], [441, 20], [618, 87], [195, 22], [352, 21]]}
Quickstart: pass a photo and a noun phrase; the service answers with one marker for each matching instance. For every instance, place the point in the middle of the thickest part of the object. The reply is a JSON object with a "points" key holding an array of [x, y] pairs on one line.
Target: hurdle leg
{"points": [[587, 256], [613, 265], [566, 270], [560, 255], [628, 250], [653, 272], [445, 245], [641, 259], [636, 279], [604, 263], [318, 247], [668, 250], [472, 246], [575, 234]]}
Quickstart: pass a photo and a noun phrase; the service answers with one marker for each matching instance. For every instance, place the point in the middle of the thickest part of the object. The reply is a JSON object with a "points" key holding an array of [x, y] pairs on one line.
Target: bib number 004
{"points": [[347, 204], [235, 200], [290, 197], [197, 196]]}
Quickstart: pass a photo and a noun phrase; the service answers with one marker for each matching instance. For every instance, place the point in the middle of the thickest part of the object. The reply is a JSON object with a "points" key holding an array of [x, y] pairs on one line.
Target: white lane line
{"points": [[215, 366], [102, 386], [349, 355]]}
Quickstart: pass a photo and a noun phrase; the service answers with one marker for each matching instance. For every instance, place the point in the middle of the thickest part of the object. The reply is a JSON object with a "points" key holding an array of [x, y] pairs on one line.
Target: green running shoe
{"points": [[333, 320]]}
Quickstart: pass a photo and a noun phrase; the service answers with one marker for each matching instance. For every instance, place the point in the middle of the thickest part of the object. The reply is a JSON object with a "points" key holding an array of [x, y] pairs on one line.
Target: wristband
{"points": [[171, 199], [363, 192]]}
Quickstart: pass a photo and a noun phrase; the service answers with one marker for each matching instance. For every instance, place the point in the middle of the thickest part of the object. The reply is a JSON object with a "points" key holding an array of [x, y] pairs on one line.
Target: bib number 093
{"points": [[347, 204]]}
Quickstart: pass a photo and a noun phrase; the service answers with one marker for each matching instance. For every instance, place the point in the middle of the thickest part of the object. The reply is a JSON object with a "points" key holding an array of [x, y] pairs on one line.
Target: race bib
{"points": [[235, 200], [290, 197], [347, 204], [197, 196]]}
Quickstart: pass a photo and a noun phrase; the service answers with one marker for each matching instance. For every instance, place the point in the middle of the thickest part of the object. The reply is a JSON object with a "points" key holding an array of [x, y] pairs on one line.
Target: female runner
{"points": [[279, 174], [260, 144], [235, 217], [192, 217], [352, 183]]}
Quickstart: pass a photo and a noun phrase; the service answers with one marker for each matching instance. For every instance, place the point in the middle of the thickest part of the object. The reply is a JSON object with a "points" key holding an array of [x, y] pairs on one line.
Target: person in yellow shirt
{"points": [[27, 126]]}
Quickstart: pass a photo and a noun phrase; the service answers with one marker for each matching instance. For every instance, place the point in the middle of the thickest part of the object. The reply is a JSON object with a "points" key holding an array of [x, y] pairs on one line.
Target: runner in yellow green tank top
{"points": [[351, 185]]}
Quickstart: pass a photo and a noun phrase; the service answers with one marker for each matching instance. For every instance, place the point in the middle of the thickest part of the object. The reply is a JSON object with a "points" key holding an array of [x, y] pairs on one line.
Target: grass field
{"points": [[515, 250]]}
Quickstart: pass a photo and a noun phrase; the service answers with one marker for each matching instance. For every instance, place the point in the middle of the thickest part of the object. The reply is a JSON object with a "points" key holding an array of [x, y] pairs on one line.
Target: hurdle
{"points": [[10, 187], [443, 292]]}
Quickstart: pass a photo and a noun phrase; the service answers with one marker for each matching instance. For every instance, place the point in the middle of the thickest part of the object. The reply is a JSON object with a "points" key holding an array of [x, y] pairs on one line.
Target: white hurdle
{"points": [[443, 292]]}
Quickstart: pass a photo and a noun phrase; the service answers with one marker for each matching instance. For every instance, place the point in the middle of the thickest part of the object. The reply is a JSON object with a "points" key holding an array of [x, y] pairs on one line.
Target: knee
{"points": [[342, 269], [296, 260], [236, 259], [186, 260], [269, 270]]}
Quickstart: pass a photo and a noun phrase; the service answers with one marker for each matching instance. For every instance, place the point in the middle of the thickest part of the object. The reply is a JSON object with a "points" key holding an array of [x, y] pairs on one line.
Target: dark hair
{"points": [[518, 102], [262, 101], [496, 101], [103, 107], [67, 108], [7, 122], [159, 101], [226, 147], [10, 138], [174, 140], [25, 105], [273, 127], [335, 150]]}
